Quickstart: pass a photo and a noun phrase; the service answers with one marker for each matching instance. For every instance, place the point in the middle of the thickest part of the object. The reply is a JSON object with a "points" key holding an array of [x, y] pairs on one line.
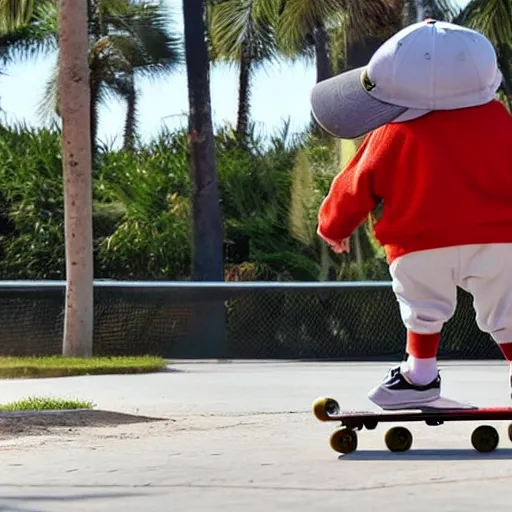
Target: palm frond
{"points": [[299, 18], [361, 18], [148, 28], [110, 66], [15, 14], [374, 18], [48, 106], [37, 38], [493, 18], [338, 37], [126, 55], [235, 25]]}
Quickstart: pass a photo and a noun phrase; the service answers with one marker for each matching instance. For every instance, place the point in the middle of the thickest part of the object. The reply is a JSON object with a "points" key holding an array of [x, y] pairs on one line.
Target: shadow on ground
{"points": [[464, 454], [13, 504]]}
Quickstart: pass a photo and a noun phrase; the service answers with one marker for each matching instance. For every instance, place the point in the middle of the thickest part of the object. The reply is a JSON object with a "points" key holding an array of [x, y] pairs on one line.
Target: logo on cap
{"points": [[367, 82]]}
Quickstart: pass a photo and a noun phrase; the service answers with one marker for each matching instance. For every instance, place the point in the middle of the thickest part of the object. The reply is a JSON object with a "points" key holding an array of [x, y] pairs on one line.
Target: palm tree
{"points": [[242, 32], [127, 39], [343, 34], [207, 229], [302, 23], [74, 98], [493, 18], [131, 40], [27, 29]]}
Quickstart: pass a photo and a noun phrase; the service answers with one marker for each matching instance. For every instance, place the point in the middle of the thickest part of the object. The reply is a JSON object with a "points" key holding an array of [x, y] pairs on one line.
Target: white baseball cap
{"points": [[431, 65]]}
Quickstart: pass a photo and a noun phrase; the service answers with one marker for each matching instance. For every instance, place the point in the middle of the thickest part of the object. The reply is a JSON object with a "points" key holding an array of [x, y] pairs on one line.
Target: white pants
{"points": [[425, 285]]}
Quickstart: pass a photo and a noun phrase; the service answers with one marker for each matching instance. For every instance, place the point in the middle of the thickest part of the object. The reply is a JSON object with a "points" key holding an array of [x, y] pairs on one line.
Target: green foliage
{"points": [[58, 366], [152, 188], [234, 24], [128, 39], [270, 196], [354, 19], [241, 32], [270, 192], [39, 403], [493, 18], [32, 233], [28, 28]]}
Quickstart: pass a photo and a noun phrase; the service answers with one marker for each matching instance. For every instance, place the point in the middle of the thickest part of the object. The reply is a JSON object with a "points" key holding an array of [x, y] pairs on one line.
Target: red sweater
{"points": [[445, 179]]}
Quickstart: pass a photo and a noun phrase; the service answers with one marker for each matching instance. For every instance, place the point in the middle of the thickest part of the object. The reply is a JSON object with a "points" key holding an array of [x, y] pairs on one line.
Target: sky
{"points": [[280, 92]]}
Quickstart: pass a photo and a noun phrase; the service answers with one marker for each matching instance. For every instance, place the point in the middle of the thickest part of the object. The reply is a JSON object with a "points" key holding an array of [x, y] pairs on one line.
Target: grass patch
{"points": [[44, 404], [57, 366]]}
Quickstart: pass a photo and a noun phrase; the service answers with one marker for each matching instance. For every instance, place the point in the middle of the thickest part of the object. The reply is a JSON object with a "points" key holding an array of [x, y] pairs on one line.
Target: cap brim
{"points": [[343, 108]]}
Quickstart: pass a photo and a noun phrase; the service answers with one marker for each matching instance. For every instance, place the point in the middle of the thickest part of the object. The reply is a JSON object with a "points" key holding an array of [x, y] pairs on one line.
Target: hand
{"points": [[343, 246]]}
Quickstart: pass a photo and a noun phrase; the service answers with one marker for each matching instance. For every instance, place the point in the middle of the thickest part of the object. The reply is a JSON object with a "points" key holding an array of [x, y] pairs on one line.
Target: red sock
{"points": [[424, 346], [506, 349]]}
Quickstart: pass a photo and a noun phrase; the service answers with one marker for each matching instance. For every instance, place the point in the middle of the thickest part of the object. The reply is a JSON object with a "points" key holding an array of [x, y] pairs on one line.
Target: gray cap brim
{"points": [[343, 108]]}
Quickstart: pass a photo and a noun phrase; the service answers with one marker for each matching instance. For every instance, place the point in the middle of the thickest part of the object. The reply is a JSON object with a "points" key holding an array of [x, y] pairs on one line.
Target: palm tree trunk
{"points": [[324, 69], [419, 8], [76, 158], [244, 92], [131, 119], [323, 60], [207, 229], [504, 55], [94, 88], [208, 318], [359, 52]]}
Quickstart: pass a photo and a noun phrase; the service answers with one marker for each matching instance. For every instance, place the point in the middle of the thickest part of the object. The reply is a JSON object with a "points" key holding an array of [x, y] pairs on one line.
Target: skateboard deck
{"points": [[399, 439]]}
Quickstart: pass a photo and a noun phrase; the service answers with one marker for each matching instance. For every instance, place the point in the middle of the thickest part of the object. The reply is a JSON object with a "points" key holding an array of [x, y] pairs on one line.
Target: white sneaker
{"points": [[397, 392]]}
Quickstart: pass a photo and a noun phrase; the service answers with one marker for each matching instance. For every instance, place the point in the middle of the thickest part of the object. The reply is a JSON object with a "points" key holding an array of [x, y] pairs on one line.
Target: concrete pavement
{"points": [[241, 437]]}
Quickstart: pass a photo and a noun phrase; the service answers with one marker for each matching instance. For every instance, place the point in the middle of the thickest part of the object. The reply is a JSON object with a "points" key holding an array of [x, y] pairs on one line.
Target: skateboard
{"points": [[344, 439]]}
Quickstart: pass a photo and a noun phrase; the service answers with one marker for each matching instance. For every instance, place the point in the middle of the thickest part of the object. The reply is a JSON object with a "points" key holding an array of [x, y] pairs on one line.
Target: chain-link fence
{"points": [[358, 321]]}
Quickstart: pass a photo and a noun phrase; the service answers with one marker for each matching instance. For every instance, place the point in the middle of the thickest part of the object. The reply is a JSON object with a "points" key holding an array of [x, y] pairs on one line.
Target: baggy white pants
{"points": [[425, 285]]}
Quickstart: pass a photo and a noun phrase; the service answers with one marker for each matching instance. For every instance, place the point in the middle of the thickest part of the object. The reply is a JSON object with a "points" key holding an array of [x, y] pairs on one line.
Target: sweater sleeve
{"points": [[352, 195]]}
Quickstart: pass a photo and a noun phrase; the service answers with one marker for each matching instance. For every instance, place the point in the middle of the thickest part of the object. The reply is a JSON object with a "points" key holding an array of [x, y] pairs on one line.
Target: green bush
{"points": [[32, 190], [141, 209], [152, 188]]}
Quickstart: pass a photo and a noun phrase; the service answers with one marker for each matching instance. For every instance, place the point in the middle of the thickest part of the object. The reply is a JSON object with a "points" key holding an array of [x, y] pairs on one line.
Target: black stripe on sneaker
{"points": [[396, 381]]}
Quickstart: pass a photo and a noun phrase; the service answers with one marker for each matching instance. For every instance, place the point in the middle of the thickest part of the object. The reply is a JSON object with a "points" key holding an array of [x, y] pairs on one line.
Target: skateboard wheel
{"points": [[485, 438], [322, 407], [398, 439], [344, 440]]}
